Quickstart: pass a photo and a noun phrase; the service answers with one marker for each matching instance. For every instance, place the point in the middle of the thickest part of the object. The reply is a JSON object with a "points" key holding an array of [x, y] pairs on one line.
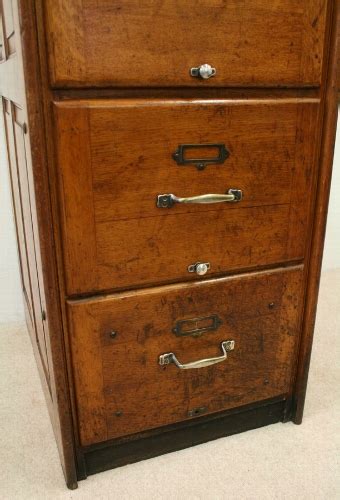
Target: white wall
{"points": [[331, 256], [11, 307]]}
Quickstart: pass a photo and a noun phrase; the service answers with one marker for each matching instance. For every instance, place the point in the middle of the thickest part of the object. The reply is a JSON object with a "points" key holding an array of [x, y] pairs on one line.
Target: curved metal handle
{"points": [[166, 359], [168, 200]]}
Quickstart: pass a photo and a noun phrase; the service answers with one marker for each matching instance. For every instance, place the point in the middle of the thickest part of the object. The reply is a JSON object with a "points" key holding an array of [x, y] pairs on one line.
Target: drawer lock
{"points": [[196, 412], [205, 71], [199, 268]]}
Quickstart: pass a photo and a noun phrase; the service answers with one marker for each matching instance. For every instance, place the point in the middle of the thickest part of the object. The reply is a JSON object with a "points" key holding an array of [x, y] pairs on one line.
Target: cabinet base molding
{"points": [[119, 452]]}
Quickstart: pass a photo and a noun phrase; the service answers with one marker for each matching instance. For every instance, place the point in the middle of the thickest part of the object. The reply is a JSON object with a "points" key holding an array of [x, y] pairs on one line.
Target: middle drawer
{"points": [[116, 157]]}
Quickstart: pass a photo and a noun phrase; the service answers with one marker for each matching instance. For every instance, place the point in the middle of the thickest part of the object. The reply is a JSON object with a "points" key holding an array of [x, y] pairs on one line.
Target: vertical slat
{"points": [[75, 187]]}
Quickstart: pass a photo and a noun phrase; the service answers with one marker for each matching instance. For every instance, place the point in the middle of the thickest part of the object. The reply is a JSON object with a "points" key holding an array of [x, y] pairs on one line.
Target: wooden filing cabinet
{"points": [[170, 166]]}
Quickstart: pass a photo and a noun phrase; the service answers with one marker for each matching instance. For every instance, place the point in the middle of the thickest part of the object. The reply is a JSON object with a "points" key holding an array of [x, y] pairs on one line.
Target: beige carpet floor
{"points": [[282, 461]]}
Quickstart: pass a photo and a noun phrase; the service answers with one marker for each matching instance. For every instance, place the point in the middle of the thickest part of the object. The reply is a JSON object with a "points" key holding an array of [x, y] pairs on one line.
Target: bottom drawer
{"points": [[117, 343]]}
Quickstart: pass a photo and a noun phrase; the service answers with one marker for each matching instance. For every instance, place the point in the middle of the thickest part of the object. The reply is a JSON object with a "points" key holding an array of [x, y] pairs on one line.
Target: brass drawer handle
{"points": [[166, 359], [169, 200]]}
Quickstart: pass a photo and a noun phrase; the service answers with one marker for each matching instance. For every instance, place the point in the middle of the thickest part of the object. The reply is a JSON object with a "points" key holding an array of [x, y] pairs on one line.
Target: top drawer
{"points": [[152, 43]]}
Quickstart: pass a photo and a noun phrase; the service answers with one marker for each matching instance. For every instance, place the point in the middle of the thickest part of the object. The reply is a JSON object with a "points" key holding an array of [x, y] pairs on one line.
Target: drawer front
{"points": [[133, 43], [117, 342], [116, 157]]}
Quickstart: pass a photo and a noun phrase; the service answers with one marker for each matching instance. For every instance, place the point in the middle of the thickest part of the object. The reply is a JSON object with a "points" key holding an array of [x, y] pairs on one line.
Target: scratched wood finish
{"points": [[76, 50], [120, 387], [129, 43], [115, 157]]}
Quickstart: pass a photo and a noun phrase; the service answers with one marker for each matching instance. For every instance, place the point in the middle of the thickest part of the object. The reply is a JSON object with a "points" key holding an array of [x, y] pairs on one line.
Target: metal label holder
{"points": [[195, 327], [200, 163]]}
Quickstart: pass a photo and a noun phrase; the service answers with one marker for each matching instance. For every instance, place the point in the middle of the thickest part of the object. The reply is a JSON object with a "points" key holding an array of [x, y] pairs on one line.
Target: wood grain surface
{"points": [[129, 43], [120, 387], [97, 97], [115, 157]]}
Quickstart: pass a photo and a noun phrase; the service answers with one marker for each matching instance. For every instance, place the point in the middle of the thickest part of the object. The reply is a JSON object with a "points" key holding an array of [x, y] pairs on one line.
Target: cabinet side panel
{"points": [[15, 130], [20, 88], [329, 102], [17, 207]]}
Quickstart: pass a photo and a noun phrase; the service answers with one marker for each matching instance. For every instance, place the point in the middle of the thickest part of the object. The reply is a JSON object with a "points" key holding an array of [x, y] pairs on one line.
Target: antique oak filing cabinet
{"points": [[170, 166]]}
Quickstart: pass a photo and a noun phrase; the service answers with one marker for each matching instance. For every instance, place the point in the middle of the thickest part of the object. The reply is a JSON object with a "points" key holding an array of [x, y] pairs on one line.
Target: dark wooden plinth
{"points": [[121, 452]]}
